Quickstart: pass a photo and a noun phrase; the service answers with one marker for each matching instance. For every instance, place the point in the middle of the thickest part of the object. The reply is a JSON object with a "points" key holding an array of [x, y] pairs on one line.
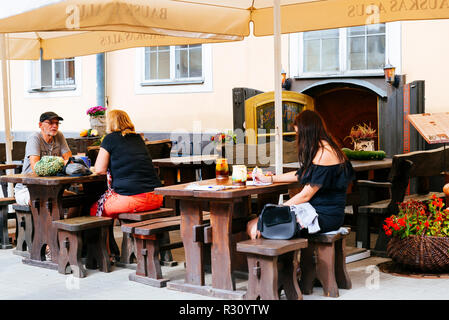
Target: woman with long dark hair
{"points": [[325, 173]]}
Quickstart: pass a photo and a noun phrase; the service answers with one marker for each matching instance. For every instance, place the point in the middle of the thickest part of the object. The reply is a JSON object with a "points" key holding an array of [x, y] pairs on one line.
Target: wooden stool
{"points": [[272, 266], [147, 236], [71, 234], [4, 216], [128, 252], [24, 230], [325, 259]]}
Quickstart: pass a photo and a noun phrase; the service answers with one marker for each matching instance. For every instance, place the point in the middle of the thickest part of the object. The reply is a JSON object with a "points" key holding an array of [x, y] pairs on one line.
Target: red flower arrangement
{"points": [[419, 218], [224, 138]]}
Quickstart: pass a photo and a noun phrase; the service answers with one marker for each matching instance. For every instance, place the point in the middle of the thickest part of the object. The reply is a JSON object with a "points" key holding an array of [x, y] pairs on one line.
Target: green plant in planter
{"points": [[364, 155]]}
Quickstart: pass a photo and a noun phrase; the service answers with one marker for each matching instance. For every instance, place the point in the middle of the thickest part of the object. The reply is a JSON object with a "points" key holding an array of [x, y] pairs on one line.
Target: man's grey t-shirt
{"points": [[37, 146]]}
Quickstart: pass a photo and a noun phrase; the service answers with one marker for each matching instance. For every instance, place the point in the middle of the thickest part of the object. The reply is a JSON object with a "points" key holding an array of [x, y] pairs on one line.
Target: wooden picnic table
{"points": [[4, 166], [226, 207], [185, 168], [175, 170], [47, 203]]}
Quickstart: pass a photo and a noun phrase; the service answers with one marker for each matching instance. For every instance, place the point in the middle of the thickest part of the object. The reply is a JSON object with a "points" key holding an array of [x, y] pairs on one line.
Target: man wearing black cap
{"points": [[48, 142]]}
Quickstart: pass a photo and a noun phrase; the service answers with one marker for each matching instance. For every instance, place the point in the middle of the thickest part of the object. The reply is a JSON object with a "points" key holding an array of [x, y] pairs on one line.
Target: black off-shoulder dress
{"points": [[330, 200]]}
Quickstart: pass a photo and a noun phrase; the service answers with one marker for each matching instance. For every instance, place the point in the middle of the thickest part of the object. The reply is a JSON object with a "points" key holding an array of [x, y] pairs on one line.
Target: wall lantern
{"points": [[286, 83], [390, 75]]}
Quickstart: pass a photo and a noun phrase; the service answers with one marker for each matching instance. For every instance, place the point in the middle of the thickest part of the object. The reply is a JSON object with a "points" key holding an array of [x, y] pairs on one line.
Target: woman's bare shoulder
{"points": [[326, 156]]}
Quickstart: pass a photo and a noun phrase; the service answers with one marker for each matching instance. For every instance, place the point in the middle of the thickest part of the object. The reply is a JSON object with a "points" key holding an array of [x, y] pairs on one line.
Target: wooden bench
{"points": [[325, 259], [128, 255], [4, 216], [417, 165], [24, 226], [147, 235], [72, 233], [272, 266]]}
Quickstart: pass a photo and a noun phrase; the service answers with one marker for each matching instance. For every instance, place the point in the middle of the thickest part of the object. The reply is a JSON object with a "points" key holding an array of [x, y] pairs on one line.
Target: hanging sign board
{"points": [[433, 127]]}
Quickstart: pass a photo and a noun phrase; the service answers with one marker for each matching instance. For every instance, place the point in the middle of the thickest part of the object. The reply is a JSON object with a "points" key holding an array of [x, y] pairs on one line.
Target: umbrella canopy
{"points": [[64, 44], [81, 27]]}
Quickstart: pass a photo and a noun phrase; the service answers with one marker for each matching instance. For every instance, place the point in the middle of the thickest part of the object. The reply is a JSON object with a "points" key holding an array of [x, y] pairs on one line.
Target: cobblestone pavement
{"points": [[19, 281]]}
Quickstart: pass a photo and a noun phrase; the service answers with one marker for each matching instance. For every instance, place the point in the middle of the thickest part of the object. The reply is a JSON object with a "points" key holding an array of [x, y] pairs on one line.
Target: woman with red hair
{"points": [[131, 175]]}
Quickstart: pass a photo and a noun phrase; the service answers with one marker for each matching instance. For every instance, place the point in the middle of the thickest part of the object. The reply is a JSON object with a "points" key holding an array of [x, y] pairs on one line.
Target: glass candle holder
{"points": [[239, 175], [222, 171]]}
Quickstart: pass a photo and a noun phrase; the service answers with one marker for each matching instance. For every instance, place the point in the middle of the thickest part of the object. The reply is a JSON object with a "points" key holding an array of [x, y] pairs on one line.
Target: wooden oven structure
{"points": [[342, 105]]}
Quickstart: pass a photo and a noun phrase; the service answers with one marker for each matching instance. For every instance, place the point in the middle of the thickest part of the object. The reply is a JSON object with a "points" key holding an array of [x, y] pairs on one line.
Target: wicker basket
{"points": [[425, 253]]}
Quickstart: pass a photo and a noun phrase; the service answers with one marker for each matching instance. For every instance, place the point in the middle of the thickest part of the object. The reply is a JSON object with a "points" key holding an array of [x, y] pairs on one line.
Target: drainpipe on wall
{"points": [[101, 80]]}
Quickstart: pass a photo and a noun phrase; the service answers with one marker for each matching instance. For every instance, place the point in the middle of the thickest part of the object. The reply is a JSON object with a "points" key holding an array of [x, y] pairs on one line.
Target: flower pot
{"points": [[364, 145], [424, 253], [98, 123]]}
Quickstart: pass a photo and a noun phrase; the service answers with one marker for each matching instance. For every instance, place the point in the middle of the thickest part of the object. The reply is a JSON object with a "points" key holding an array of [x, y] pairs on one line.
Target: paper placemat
{"points": [[257, 183]]}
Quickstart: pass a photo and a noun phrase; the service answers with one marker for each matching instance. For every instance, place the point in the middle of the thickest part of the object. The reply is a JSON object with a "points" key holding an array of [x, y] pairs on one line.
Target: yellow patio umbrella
{"points": [[79, 27], [92, 26], [61, 29]]}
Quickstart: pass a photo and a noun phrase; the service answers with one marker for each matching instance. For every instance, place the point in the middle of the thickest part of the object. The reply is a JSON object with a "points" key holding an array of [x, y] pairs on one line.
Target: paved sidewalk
{"points": [[24, 282]]}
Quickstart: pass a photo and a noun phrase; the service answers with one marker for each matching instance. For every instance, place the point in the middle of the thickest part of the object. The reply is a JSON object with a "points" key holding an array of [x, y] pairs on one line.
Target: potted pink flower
{"points": [[97, 117], [96, 111]]}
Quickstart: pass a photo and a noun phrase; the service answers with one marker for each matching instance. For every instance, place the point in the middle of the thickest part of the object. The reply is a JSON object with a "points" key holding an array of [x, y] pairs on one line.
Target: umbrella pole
{"points": [[277, 86], [6, 101]]}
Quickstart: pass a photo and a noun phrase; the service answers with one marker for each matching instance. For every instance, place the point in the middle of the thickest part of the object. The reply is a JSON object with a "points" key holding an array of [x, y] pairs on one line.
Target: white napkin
{"points": [[257, 183], [196, 186], [213, 187]]}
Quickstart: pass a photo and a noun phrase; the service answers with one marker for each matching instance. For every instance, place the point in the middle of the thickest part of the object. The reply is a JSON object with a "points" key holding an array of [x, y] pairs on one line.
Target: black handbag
{"points": [[277, 222], [76, 168]]}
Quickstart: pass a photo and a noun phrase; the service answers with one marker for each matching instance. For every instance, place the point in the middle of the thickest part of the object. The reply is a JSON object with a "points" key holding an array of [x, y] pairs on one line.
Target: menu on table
{"points": [[433, 127]]}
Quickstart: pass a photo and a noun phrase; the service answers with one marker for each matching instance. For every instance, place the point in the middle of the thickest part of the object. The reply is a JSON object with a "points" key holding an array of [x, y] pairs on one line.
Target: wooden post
{"points": [[277, 85], [6, 109]]}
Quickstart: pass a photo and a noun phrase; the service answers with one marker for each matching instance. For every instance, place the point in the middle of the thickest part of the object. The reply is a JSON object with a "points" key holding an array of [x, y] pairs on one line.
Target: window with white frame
{"points": [[173, 64], [366, 47], [344, 51], [49, 75], [321, 50]]}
